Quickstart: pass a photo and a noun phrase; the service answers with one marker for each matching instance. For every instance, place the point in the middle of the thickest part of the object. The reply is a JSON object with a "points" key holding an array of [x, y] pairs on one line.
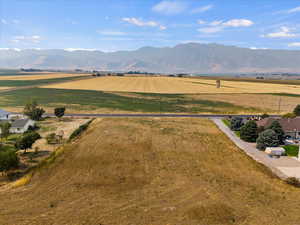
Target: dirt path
{"points": [[283, 167]]}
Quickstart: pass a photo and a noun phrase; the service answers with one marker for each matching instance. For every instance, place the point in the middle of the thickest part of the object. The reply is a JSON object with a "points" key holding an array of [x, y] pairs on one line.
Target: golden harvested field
{"points": [[2, 88], [41, 76], [152, 171], [174, 85]]}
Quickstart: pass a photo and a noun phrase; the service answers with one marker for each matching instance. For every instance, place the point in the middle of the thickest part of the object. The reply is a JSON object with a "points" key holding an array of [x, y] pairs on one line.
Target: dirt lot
{"points": [[174, 85], [152, 171]]}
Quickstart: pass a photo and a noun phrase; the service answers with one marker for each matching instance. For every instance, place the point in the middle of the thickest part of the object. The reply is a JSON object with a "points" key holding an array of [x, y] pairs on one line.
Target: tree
{"points": [[236, 123], [249, 131], [5, 129], [32, 110], [297, 110], [59, 112], [265, 115], [260, 129], [8, 160], [27, 140], [268, 138], [275, 126]]}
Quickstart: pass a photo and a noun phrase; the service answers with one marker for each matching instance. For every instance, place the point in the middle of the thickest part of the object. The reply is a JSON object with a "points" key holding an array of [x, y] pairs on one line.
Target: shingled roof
{"points": [[288, 124], [19, 123]]}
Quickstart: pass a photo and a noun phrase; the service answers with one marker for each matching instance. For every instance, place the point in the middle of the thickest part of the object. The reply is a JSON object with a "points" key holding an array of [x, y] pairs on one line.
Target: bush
{"points": [[275, 126], [8, 160], [236, 123], [289, 115], [265, 115], [268, 138], [260, 129], [52, 139], [293, 181], [249, 131], [79, 130]]}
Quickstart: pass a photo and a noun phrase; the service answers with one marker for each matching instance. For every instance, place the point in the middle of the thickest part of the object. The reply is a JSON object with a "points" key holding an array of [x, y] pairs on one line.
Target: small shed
{"points": [[275, 151]]}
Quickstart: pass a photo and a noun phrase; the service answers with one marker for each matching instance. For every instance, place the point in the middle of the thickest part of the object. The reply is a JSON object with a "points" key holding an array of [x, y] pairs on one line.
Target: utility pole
{"points": [[279, 105]]}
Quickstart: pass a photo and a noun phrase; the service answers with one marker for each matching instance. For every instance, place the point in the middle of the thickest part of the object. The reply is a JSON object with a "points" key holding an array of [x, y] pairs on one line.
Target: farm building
{"points": [[21, 126], [290, 126]]}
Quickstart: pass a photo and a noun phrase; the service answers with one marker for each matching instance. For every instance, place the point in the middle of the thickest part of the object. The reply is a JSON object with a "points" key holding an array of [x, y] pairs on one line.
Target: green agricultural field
{"points": [[23, 83], [82, 100]]}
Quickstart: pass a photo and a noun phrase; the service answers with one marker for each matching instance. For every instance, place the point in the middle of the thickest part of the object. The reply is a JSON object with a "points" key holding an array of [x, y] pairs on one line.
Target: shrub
{"points": [[5, 129], [265, 115], [52, 139], [268, 138], [79, 130], [249, 131], [8, 160], [289, 115], [275, 126], [297, 110], [260, 129], [293, 181], [236, 123]]}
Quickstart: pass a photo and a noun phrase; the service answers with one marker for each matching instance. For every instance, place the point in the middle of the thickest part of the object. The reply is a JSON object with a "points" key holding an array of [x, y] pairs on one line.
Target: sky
{"points": [[113, 25]]}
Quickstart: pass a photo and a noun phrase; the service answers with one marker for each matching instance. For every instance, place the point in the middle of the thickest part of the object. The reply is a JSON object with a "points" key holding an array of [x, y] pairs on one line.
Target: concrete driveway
{"points": [[283, 167]]}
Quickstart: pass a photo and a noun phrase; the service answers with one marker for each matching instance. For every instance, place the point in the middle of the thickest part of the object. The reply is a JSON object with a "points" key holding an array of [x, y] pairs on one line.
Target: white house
{"points": [[4, 115], [21, 126]]}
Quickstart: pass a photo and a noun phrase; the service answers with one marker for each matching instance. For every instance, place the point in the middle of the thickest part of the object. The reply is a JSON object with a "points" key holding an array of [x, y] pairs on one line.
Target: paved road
{"points": [[283, 167], [171, 115]]}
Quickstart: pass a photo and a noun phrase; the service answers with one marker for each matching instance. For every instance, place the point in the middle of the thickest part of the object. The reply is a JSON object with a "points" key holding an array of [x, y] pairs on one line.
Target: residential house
{"points": [[290, 126], [21, 126]]}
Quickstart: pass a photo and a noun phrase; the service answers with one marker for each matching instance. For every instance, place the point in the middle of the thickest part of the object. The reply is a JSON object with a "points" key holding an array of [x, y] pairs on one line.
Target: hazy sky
{"points": [[111, 25]]}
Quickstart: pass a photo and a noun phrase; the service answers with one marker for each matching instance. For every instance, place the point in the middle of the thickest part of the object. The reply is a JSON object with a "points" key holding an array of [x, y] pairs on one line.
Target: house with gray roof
{"points": [[21, 126]]}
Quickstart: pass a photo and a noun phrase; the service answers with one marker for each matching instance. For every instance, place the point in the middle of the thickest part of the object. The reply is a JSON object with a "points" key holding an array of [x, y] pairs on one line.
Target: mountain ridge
{"points": [[189, 57]]}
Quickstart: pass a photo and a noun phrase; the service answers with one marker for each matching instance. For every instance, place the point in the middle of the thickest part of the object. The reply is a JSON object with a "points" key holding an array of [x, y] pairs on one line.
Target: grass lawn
{"points": [[292, 150], [226, 122], [22, 83], [89, 100]]}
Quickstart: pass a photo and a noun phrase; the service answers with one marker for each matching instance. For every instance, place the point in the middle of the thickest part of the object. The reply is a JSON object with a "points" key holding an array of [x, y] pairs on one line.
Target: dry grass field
{"points": [[174, 85], [152, 171], [41, 76]]}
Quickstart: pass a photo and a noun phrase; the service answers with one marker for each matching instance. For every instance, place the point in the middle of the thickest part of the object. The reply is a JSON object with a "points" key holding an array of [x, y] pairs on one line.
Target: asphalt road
{"points": [[161, 115]]}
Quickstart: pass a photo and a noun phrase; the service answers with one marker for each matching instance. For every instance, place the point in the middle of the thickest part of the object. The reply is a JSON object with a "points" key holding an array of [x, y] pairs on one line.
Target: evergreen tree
{"points": [[268, 138], [249, 131], [275, 126], [297, 110], [236, 123]]}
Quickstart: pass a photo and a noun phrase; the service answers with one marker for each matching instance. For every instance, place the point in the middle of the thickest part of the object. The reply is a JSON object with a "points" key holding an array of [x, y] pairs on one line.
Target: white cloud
{"points": [[170, 7], [201, 22], [238, 23], [216, 23], [141, 23], [111, 33], [294, 10], [202, 9], [219, 25], [284, 32], [4, 21], [294, 44], [34, 39], [209, 30]]}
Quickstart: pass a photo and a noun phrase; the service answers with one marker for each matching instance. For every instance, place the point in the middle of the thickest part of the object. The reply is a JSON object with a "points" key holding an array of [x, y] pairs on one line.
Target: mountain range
{"points": [[187, 58]]}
